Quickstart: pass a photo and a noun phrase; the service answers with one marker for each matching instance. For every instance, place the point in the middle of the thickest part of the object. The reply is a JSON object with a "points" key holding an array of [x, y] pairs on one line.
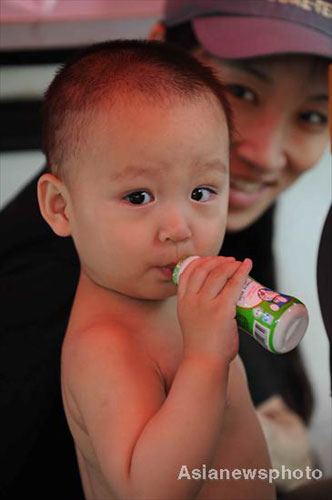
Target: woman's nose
{"points": [[174, 227], [263, 148]]}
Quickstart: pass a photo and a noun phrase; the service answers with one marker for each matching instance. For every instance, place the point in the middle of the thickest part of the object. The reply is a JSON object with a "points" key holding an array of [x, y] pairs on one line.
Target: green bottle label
{"points": [[259, 309]]}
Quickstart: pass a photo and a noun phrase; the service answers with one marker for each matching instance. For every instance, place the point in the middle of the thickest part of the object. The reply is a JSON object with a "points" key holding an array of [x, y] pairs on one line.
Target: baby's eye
{"points": [[241, 92], [138, 197], [202, 194], [313, 118]]}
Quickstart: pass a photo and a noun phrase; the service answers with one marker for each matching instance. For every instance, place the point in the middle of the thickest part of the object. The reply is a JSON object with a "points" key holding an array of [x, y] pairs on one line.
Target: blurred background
{"points": [[36, 36]]}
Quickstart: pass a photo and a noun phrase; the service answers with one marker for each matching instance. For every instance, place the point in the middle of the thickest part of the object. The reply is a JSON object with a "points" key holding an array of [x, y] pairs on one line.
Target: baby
{"points": [[137, 138]]}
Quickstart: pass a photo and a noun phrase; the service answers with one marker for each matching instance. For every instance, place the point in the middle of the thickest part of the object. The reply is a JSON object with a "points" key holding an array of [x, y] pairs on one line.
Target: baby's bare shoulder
{"points": [[111, 388], [102, 353]]}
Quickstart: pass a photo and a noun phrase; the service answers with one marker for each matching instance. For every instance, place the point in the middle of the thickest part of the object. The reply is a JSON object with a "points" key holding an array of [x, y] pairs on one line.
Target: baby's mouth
{"points": [[168, 270], [170, 266]]}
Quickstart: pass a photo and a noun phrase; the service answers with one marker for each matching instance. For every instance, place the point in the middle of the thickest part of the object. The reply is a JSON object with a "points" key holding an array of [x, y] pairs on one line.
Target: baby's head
{"points": [[98, 77], [137, 138]]}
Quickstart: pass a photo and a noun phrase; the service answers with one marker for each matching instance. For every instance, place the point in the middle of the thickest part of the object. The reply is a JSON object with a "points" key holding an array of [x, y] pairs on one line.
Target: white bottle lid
{"points": [[290, 328]]}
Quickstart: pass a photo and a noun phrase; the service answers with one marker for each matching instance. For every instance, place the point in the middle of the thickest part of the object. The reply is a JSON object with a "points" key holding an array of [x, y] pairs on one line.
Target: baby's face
{"points": [[152, 186]]}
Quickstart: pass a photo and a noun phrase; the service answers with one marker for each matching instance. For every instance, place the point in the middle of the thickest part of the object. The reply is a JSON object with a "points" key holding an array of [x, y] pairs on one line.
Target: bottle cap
{"points": [[290, 328]]}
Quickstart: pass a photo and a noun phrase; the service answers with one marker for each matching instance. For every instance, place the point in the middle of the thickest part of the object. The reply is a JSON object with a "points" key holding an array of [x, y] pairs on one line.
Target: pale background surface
{"points": [[300, 218]]}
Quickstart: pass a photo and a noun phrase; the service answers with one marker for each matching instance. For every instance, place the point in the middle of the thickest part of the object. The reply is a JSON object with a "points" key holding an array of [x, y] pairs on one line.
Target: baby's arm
{"points": [[141, 436], [242, 448]]}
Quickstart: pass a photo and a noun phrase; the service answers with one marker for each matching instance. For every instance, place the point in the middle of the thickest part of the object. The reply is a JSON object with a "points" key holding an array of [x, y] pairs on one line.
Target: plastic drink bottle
{"points": [[275, 320]]}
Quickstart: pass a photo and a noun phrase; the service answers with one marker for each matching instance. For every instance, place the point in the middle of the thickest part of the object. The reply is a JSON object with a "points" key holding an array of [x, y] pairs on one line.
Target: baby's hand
{"points": [[207, 294]]}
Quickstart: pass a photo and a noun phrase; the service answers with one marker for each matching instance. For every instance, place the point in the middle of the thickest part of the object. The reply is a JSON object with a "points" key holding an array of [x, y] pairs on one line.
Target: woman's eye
{"points": [[314, 118], [241, 92], [202, 194], [138, 198]]}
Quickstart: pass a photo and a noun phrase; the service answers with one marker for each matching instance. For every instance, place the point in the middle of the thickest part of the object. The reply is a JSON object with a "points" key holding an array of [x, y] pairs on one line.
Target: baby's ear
{"points": [[53, 199]]}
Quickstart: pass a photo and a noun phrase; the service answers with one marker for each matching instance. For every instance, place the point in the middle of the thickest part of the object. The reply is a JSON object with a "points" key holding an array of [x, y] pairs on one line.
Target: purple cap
{"points": [[249, 28]]}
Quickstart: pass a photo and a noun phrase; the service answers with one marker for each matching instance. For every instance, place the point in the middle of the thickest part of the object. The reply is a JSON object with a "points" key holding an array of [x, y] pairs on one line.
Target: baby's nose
{"points": [[175, 227]]}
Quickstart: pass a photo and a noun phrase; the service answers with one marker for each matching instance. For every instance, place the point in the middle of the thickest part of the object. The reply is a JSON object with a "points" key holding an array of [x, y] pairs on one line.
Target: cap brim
{"points": [[236, 37]]}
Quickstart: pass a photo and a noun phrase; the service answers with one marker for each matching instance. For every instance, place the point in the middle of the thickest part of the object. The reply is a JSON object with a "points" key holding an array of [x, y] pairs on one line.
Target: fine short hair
{"points": [[159, 72]]}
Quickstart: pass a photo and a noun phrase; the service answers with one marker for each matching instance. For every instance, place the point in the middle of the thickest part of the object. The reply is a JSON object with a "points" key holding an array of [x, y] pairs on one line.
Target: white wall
{"points": [[16, 169], [300, 219]]}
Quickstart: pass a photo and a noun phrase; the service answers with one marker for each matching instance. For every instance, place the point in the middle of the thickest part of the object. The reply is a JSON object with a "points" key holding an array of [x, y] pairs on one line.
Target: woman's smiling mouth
{"points": [[244, 193]]}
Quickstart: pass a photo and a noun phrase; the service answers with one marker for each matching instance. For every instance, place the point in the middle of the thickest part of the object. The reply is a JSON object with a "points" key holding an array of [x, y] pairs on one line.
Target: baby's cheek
{"points": [[217, 235]]}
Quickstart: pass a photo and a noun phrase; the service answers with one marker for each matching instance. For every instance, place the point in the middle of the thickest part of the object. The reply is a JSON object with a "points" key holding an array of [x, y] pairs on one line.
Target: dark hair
{"points": [[158, 71], [182, 35]]}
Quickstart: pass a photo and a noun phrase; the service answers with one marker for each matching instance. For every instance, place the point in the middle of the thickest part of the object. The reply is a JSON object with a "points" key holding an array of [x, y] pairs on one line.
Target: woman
{"points": [[39, 268]]}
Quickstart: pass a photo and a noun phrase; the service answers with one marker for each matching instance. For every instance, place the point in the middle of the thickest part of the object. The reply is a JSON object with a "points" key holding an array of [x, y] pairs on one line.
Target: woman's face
{"points": [[280, 109]]}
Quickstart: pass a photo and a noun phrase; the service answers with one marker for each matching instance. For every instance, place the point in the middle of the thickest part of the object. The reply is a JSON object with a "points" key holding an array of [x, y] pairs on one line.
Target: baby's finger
{"points": [[217, 278], [194, 276], [233, 287]]}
